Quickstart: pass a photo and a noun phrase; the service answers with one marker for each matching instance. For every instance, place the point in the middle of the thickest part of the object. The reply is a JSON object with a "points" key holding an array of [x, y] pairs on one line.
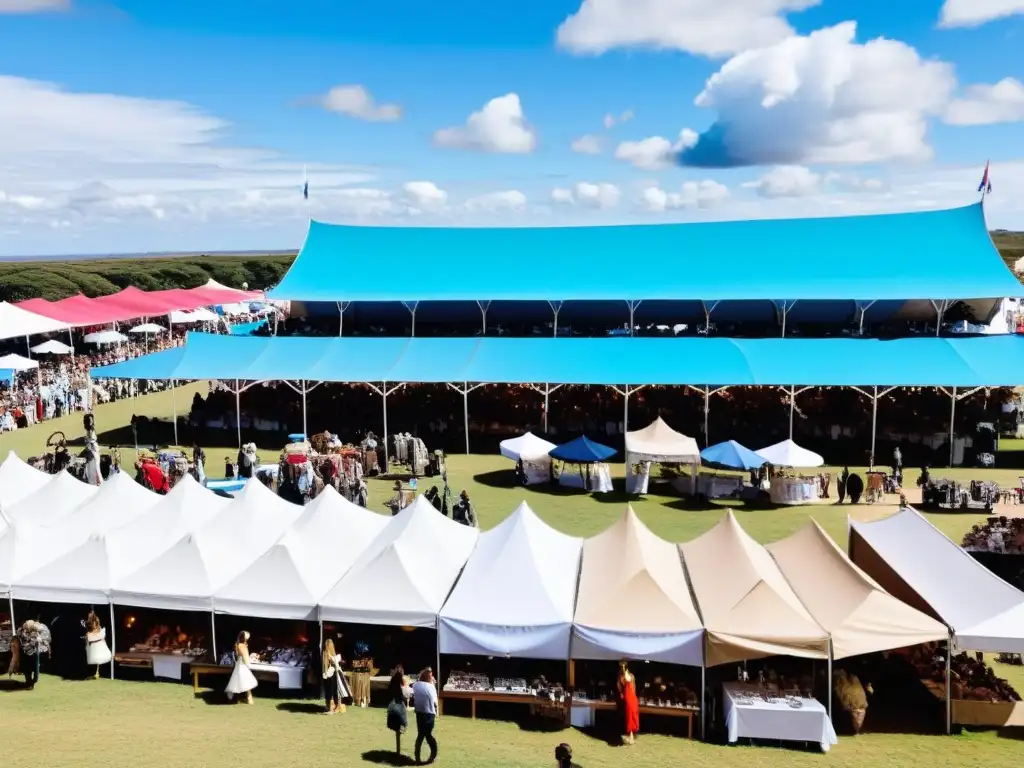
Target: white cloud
{"points": [[787, 181], [693, 194], [973, 13], [33, 6], [508, 200], [611, 120], [703, 27], [654, 152], [989, 104], [823, 98], [356, 101], [587, 144], [499, 127], [597, 195], [425, 194], [562, 196]]}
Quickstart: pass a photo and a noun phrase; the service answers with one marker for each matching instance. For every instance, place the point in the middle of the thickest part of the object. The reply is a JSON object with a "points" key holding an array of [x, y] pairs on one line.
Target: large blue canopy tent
{"points": [[927, 261], [731, 455], [582, 450], [870, 366]]}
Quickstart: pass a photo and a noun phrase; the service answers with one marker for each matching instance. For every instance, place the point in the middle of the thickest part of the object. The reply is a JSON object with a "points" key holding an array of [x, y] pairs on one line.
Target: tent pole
{"points": [[830, 678], [547, 395], [238, 412], [874, 419], [437, 638], [625, 410], [384, 392], [707, 407], [949, 685], [465, 412], [174, 411], [113, 639], [28, 349], [703, 689], [305, 431], [341, 317], [952, 418], [632, 311], [71, 343], [792, 408]]}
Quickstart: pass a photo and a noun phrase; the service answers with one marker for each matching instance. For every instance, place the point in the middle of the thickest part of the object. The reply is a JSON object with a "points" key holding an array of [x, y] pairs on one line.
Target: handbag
{"points": [[398, 720]]}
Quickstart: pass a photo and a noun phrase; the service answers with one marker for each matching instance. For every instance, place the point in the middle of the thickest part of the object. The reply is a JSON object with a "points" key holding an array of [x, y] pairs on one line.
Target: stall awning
{"points": [[582, 451], [732, 455], [17, 322]]}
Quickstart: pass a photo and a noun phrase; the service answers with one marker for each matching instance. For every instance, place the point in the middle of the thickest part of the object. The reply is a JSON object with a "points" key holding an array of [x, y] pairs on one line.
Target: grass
{"points": [[118, 723]]}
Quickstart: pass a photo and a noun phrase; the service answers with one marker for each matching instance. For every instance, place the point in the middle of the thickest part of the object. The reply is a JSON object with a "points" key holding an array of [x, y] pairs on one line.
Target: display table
{"points": [[596, 478], [166, 666], [494, 696], [582, 713], [793, 491], [992, 714], [775, 721], [711, 486], [288, 678], [639, 482], [537, 471]]}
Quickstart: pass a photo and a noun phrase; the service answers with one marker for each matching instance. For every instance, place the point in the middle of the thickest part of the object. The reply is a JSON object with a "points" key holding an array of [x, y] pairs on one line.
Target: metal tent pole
{"points": [[412, 306], [238, 412], [952, 420], [437, 634], [113, 639], [484, 306], [305, 430], [703, 696], [949, 684], [707, 407], [384, 399], [625, 410], [556, 307], [213, 634], [465, 411], [174, 411], [792, 408], [28, 349], [830, 653], [874, 418]]}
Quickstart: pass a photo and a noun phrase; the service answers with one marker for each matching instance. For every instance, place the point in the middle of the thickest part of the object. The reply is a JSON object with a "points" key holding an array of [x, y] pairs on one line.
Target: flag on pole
{"points": [[986, 185], [305, 184]]}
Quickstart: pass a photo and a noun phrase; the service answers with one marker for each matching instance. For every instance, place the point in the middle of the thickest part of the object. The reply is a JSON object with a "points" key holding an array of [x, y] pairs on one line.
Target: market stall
{"points": [[590, 472], [729, 455], [531, 456], [753, 712], [789, 488], [658, 443]]}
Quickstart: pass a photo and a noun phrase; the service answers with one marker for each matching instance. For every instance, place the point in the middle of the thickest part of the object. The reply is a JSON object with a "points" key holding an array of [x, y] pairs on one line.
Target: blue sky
{"points": [[137, 125]]}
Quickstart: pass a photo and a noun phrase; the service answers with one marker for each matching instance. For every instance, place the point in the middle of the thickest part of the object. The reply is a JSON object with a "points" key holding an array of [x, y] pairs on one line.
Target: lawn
{"points": [[156, 724]]}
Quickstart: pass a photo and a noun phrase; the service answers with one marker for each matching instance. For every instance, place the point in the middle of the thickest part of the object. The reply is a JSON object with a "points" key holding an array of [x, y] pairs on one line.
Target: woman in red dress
{"points": [[630, 706]]}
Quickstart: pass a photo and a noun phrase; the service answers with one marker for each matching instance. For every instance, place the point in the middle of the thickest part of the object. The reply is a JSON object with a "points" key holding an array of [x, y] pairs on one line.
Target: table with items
{"points": [[753, 712], [475, 687]]}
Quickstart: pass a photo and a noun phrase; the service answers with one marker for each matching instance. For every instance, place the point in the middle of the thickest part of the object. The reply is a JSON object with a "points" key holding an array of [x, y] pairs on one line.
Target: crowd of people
{"points": [[1001, 535]]}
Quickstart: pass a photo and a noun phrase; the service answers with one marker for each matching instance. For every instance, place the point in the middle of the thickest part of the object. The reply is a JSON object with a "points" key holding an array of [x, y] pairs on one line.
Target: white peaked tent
{"points": [[18, 480], [658, 442], [516, 594], [789, 454], [16, 322], [17, 363], [288, 581], [92, 556], [913, 560], [61, 494], [407, 572], [53, 347], [633, 599], [187, 575], [526, 447]]}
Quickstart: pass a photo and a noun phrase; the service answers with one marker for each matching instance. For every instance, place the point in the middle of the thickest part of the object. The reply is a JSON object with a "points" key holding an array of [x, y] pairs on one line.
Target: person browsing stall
{"points": [[464, 512], [424, 698]]}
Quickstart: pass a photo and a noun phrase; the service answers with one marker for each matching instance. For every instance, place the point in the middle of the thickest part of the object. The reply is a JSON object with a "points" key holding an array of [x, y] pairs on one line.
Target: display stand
{"points": [[594, 478], [793, 491]]}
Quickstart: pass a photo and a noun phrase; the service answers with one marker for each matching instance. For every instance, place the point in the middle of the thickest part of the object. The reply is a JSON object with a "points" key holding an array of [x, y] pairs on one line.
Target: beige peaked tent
{"points": [[659, 442], [633, 600], [749, 609], [860, 615]]}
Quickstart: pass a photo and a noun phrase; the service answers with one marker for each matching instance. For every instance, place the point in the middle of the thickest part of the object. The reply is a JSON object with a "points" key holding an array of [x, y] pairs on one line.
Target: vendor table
{"points": [[166, 666], [583, 710], [496, 696], [776, 721], [288, 678], [793, 490]]}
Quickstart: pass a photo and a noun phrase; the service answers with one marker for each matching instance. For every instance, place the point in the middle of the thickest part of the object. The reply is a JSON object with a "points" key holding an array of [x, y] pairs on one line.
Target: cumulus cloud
{"points": [[610, 120], [356, 101], [33, 6], [973, 13], [562, 196], [499, 127], [702, 27], [597, 195], [693, 194], [989, 104], [655, 152], [587, 144], [425, 194], [787, 181], [507, 200], [823, 98]]}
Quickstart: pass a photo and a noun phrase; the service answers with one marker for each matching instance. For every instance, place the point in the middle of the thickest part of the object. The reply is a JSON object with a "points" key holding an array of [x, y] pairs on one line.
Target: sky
{"points": [[137, 125]]}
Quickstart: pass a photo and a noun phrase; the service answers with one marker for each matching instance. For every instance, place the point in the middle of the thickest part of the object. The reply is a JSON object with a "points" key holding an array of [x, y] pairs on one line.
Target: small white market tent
{"points": [[92, 558], [187, 575], [633, 599], [532, 451], [288, 581], [407, 572], [18, 480], [915, 562], [658, 442], [860, 616], [53, 347], [16, 322], [13, 362], [61, 494], [515, 597], [789, 454]]}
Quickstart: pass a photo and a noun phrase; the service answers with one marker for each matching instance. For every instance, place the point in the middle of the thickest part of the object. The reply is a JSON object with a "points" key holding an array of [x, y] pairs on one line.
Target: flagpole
{"points": [[986, 184]]}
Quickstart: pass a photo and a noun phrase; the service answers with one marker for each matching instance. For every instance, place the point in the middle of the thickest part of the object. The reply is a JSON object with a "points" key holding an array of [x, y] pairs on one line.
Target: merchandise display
{"points": [[282, 657], [163, 640], [1002, 535]]}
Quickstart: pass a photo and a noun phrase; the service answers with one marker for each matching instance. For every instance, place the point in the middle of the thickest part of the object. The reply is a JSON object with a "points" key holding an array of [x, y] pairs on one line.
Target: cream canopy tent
{"points": [[533, 452], [749, 609], [789, 454], [915, 561], [658, 442], [404, 576], [633, 600], [187, 575], [54, 499], [533, 568], [288, 581], [860, 616], [18, 480], [16, 322]]}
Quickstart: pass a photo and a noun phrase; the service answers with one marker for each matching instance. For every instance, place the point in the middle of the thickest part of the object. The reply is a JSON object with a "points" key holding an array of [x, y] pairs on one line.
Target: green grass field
{"points": [[161, 724]]}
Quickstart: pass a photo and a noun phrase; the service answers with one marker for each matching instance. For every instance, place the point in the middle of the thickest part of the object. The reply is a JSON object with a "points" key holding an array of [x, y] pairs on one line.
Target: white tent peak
{"points": [[16, 323], [55, 498], [14, 362], [52, 347], [526, 447], [789, 454], [18, 480]]}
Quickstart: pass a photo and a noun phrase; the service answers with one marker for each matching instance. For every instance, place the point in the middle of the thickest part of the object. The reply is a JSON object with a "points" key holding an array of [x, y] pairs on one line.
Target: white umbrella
{"points": [[53, 347], [789, 454], [17, 363], [198, 316], [147, 328], [204, 315], [105, 337]]}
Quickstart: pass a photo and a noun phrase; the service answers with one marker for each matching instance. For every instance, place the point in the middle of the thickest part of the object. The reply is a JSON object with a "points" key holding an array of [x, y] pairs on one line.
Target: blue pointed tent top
{"points": [[582, 451], [731, 454]]}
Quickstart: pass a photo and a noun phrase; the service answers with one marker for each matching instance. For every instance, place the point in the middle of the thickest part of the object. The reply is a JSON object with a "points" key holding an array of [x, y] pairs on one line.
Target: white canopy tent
{"points": [[532, 451], [53, 347], [18, 480], [54, 499], [105, 337], [201, 315], [147, 328], [16, 322], [17, 363], [288, 581], [533, 568], [914, 561], [658, 442], [407, 572], [789, 454], [187, 575]]}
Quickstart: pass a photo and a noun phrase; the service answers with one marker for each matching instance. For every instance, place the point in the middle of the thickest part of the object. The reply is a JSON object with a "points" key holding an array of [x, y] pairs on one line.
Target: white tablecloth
{"points": [[288, 678], [637, 484], [793, 490], [599, 475], [167, 666], [777, 721], [581, 716]]}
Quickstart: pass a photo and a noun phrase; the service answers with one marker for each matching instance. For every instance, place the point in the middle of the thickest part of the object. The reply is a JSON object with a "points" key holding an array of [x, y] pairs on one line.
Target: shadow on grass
{"points": [[500, 478], [301, 707], [8, 686], [387, 757], [219, 699]]}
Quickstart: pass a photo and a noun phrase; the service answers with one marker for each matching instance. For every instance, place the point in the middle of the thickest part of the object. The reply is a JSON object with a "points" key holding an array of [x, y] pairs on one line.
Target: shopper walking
{"points": [[424, 698], [399, 693]]}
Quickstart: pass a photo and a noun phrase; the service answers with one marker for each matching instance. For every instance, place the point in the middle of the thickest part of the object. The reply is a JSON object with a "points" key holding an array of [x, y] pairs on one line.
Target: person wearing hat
{"points": [[464, 512], [397, 502]]}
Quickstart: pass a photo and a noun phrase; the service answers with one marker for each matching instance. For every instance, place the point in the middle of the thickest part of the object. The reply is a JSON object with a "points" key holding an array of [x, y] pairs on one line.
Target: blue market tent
{"points": [[732, 455], [582, 451]]}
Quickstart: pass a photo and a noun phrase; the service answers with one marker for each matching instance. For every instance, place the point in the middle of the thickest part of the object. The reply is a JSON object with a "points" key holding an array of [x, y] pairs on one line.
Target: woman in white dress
{"points": [[97, 652], [92, 451], [242, 679]]}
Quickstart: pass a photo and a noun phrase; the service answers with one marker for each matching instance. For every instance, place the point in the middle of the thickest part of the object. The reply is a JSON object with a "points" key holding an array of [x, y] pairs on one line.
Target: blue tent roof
{"points": [[731, 454], [923, 255], [582, 451], [980, 361]]}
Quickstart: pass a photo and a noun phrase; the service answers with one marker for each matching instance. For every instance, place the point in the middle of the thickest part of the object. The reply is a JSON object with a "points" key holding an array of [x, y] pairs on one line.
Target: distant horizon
{"points": [[151, 255]]}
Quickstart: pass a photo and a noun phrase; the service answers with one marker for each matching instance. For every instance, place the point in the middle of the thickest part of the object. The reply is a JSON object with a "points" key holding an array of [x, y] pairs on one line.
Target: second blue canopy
{"points": [[582, 451], [731, 454]]}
